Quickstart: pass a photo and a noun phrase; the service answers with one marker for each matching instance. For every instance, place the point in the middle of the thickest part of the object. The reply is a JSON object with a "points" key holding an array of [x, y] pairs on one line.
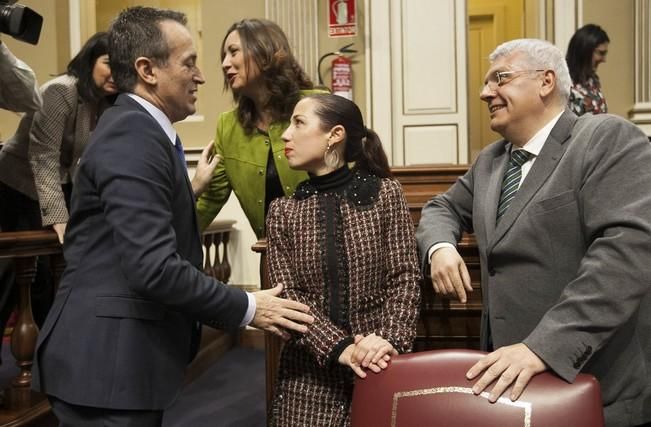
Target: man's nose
{"points": [[486, 93], [198, 77]]}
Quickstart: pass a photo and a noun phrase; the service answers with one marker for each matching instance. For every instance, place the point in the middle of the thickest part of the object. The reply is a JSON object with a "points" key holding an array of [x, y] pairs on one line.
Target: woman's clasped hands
{"points": [[367, 352]]}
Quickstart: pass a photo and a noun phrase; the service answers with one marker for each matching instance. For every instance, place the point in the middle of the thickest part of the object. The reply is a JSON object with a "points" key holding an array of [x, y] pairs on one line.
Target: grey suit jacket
{"points": [[44, 151], [120, 328], [567, 266]]}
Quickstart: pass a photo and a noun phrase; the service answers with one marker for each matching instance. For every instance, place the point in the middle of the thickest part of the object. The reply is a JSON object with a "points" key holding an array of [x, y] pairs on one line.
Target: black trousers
{"points": [[70, 415]]}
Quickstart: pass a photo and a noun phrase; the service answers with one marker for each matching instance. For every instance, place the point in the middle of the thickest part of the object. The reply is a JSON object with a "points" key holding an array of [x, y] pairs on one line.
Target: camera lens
{"points": [[20, 22]]}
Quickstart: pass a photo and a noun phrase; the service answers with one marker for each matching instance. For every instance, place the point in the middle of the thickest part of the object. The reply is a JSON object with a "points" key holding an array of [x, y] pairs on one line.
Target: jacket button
{"points": [[266, 142], [577, 365], [491, 272], [260, 171]]}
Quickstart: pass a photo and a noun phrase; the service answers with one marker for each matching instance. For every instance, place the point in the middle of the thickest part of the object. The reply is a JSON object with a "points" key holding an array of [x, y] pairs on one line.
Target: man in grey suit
{"points": [[122, 327], [561, 210]]}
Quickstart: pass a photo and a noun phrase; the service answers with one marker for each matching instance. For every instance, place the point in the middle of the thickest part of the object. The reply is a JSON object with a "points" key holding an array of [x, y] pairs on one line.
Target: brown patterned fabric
{"points": [[378, 291]]}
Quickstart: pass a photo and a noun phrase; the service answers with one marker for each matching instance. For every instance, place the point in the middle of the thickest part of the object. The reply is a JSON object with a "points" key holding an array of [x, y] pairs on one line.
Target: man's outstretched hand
{"points": [[279, 315]]}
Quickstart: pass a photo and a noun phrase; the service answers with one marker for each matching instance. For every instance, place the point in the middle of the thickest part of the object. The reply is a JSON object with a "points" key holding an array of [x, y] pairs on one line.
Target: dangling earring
{"points": [[331, 157]]}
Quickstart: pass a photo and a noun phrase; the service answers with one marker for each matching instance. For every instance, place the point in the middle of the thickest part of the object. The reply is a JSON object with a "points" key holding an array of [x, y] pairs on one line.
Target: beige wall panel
{"points": [[430, 144], [429, 69], [436, 66]]}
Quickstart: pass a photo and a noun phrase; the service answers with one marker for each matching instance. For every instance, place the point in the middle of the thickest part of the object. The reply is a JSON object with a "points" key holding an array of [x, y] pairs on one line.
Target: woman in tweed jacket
{"points": [[344, 245], [37, 164]]}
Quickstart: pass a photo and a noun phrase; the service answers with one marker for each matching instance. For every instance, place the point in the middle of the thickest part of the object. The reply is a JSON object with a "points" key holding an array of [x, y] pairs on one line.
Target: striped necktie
{"points": [[178, 147], [511, 181]]}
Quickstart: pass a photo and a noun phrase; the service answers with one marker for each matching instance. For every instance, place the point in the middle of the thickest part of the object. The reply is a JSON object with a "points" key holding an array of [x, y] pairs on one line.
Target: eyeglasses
{"points": [[500, 78]]}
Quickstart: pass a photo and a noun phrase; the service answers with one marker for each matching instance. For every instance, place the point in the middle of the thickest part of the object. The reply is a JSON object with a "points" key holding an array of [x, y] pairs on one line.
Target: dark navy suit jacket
{"points": [[119, 332]]}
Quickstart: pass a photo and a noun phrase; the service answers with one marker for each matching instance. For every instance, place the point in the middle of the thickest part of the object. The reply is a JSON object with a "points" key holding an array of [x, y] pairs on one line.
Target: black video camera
{"points": [[20, 22]]}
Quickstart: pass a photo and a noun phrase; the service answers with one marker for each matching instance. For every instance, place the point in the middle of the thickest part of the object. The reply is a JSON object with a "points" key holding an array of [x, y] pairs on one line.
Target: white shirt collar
{"points": [[158, 115], [535, 144]]}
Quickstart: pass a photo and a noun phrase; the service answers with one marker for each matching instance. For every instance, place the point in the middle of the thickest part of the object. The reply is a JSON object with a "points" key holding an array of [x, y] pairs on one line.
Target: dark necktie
{"points": [[178, 147], [511, 181]]}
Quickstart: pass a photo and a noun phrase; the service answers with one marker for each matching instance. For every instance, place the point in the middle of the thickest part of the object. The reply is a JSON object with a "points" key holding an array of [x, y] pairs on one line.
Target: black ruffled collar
{"points": [[361, 189]]}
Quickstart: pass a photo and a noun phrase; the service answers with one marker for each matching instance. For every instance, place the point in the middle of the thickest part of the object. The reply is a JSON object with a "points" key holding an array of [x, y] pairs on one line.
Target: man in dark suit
{"points": [[119, 335], [561, 210]]}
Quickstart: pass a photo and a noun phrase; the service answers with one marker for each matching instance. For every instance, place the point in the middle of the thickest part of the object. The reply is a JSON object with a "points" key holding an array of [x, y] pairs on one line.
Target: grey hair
{"points": [[539, 54]]}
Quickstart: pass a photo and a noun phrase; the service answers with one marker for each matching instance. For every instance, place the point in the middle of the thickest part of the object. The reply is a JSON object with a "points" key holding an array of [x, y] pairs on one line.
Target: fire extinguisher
{"points": [[342, 77], [342, 71]]}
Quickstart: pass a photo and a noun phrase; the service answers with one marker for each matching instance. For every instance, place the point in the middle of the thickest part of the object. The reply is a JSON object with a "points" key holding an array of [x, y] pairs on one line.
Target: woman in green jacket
{"points": [[266, 82]]}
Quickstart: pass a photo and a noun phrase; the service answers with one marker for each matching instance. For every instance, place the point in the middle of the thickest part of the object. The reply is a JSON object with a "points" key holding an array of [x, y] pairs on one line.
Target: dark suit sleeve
{"points": [[139, 191], [614, 196]]}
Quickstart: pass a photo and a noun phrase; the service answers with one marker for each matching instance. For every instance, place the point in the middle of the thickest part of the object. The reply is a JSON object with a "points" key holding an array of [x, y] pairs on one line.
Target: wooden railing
{"points": [[21, 406], [443, 323], [215, 244]]}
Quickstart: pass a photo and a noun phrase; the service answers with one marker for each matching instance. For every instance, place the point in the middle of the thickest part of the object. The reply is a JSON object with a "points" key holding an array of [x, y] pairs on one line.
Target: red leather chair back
{"points": [[430, 389]]}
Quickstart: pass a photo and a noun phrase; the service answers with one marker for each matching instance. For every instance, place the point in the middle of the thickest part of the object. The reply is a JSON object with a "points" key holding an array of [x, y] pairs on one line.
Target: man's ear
{"points": [[548, 83], [145, 69], [337, 134]]}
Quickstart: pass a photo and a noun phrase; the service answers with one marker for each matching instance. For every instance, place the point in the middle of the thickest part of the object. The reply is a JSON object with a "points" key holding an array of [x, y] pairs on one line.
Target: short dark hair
{"points": [[362, 145], [579, 52], [266, 44], [82, 65], [135, 33]]}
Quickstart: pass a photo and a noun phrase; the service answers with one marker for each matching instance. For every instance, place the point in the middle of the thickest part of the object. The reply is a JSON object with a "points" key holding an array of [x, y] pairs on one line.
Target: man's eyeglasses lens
{"points": [[500, 78]]}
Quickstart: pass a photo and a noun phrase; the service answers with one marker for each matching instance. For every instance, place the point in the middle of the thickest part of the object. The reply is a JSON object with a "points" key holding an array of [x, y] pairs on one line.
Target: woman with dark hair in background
{"points": [[266, 82], [38, 163], [344, 245], [587, 49]]}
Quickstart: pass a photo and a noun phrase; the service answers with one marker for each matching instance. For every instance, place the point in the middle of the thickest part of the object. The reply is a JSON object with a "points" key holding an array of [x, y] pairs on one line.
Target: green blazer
{"points": [[243, 170]]}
